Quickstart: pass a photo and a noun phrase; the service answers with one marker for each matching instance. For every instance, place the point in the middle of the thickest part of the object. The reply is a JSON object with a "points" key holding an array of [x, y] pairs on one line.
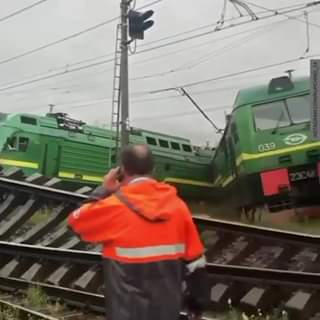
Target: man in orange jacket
{"points": [[148, 238]]}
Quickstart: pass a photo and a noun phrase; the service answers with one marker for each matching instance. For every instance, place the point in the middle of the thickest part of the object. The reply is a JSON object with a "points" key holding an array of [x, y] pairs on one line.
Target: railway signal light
{"points": [[139, 23]]}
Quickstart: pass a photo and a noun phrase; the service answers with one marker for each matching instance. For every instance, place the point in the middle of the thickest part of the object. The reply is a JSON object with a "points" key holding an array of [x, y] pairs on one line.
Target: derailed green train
{"points": [[58, 146], [267, 155]]}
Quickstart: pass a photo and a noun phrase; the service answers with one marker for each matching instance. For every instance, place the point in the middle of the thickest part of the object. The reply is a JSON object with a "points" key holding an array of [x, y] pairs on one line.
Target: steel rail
{"points": [[77, 298], [92, 301], [42, 191], [25, 312], [265, 276], [261, 232], [49, 253], [76, 199], [274, 276]]}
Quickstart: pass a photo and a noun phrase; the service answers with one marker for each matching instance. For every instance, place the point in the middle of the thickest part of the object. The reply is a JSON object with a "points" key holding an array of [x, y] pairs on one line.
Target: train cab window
{"points": [[175, 146], [271, 115], [23, 144], [17, 144], [282, 113], [164, 143], [28, 120], [299, 109], [12, 144], [186, 148], [151, 141]]}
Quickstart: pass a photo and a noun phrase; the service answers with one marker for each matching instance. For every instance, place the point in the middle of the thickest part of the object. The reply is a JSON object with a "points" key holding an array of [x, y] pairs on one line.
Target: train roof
{"points": [[66, 125], [277, 88]]}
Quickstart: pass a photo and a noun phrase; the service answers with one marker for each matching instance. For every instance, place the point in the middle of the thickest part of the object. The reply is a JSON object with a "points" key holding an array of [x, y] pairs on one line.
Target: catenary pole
{"points": [[124, 82]]}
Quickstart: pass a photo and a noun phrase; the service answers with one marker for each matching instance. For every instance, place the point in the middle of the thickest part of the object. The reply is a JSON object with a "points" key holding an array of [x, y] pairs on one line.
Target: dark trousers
{"points": [[150, 291]]}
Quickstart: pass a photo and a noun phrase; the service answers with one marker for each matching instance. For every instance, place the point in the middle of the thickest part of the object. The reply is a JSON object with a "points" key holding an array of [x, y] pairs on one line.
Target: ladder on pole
{"points": [[115, 117]]}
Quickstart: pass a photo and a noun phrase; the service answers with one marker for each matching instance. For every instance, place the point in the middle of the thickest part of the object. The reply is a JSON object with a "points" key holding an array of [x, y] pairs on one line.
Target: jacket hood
{"points": [[155, 201]]}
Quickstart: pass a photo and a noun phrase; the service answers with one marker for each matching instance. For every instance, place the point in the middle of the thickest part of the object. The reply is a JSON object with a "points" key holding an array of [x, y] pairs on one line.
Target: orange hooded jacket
{"points": [[163, 229]]}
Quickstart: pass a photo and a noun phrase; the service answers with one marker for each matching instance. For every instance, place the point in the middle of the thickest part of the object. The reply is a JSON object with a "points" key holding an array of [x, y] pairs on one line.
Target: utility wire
{"points": [[307, 33], [206, 33], [210, 25], [181, 114], [15, 13], [215, 53], [67, 68], [185, 93], [230, 75], [109, 54], [48, 76], [57, 74], [66, 38], [275, 11], [53, 43], [149, 4], [54, 71], [80, 104]]}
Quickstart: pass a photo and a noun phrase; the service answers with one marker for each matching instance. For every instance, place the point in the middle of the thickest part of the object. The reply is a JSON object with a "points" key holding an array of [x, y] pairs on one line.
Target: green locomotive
{"points": [[58, 146], [267, 155]]}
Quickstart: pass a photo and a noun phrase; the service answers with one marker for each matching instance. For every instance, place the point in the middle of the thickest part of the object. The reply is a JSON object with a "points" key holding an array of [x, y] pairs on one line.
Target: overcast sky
{"points": [[86, 94]]}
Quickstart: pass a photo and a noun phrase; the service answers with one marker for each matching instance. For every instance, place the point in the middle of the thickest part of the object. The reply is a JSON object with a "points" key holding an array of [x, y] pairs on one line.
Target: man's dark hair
{"points": [[137, 160]]}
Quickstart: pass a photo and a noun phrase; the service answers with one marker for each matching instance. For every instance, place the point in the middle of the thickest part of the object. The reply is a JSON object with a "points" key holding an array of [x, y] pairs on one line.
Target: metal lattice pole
{"points": [[124, 82]]}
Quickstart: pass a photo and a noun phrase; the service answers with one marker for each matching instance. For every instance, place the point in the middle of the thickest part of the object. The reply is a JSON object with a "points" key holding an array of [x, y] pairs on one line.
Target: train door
{"points": [[51, 159]]}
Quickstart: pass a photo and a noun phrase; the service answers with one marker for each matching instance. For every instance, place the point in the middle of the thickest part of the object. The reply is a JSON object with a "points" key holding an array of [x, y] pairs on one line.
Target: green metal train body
{"points": [[267, 155], [57, 146]]}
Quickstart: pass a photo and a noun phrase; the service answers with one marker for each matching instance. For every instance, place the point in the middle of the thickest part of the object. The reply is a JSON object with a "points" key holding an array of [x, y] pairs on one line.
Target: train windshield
{"points": [[282, 113]]}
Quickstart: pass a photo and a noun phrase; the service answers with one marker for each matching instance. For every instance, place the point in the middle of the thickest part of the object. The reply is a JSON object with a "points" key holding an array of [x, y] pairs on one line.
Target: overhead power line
{"points": [[15, 13], [185, 93], [66, 38], [47, 76], [253, 33], [67, 68], [186, 85], [230, 75], [53, 43], [88, 103], [275, 12], [53, 75], [180, 114], [211, 25]]}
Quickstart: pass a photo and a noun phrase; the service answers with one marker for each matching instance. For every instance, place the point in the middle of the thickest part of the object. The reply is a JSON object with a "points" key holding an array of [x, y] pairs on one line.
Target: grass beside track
{"points": [[235, 314]]}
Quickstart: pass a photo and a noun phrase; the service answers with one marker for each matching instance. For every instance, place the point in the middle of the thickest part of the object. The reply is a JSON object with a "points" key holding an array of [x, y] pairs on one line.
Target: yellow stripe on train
{"points": [[253, 156], [190, 182], [18, 163], [71, 175]]}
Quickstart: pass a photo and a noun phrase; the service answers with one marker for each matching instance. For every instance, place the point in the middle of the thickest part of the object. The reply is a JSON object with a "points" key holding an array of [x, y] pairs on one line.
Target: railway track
{"points": [[243, 285], [14, 307], [254, 267]]}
